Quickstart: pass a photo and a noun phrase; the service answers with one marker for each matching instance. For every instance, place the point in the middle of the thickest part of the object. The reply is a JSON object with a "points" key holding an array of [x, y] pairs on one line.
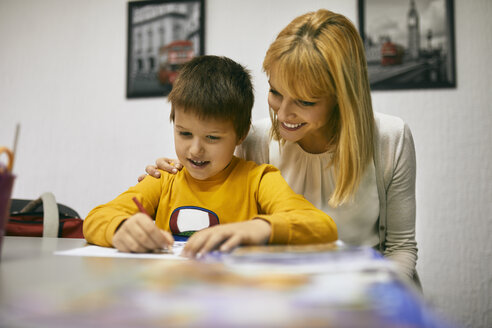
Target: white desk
{"points": [[40, 289]]}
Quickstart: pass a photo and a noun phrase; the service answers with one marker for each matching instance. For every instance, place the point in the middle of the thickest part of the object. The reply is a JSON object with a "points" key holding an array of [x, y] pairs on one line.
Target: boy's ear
{"points": [[240, 141]]}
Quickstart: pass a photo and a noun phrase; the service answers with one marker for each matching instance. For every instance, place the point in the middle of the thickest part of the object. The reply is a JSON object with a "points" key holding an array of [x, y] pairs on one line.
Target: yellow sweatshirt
{"points": [[242, 191]]}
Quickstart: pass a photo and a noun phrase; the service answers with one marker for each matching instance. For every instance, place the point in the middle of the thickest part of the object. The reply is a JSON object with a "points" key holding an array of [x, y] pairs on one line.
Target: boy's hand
{"points": [[139, 234], [225, 237], [169, 165]]}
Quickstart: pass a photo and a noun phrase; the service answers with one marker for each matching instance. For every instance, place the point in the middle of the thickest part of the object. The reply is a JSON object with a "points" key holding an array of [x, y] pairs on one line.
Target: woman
{"points": [[324, 137]]}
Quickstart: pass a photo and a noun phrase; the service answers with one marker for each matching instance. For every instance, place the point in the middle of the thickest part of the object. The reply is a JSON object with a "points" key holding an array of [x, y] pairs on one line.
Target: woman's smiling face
{"points": [[300, 121]]}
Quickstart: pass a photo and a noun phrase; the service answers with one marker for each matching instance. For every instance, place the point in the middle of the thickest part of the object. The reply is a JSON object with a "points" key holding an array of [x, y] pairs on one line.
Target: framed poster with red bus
{"points": [[162, 35], [409, 43]]}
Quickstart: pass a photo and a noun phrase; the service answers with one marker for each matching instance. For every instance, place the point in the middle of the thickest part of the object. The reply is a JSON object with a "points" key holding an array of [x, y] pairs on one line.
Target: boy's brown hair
{"points": [[215, 87]]}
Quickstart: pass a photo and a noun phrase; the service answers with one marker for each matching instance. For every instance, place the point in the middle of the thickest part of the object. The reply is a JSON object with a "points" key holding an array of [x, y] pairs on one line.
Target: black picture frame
{"points": [[409, 44], [162, 35]]}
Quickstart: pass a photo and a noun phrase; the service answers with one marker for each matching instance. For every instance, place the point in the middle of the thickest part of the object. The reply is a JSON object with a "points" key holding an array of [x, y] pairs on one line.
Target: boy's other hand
{"points": [[226, 237], [138, 234], [166, 164]]}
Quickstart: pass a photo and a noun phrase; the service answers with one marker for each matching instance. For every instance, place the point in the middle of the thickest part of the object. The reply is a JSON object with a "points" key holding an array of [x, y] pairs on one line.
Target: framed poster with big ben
{"points": [[409, 44]]}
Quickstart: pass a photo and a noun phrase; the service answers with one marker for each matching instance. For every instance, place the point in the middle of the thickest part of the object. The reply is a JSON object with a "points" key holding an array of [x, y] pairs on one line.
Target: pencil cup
{"points": [[6, 184]]}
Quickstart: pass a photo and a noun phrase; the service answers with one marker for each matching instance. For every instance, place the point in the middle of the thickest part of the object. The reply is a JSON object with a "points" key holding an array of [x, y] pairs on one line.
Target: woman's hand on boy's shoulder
{"points": [[226, 237], [139, 234], [166, 164]]}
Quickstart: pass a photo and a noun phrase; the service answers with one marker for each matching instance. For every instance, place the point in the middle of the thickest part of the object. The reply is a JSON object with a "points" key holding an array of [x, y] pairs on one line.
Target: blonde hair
{"points": [[318, 55]]}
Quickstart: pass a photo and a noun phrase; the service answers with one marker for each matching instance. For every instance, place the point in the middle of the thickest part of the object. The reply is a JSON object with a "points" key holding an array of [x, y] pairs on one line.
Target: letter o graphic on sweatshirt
{"points": [[191, 218]]}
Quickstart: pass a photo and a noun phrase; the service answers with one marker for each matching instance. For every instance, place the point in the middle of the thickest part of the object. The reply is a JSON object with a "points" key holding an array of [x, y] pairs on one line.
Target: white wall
{"points": [[62, 76]]}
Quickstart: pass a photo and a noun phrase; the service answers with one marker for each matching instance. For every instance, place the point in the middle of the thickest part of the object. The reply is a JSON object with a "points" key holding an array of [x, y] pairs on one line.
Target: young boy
{"points": [[227, 201]]}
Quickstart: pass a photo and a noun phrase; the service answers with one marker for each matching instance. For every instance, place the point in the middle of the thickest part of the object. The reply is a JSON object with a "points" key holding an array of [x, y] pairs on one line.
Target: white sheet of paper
{"points": [[98, 251]]}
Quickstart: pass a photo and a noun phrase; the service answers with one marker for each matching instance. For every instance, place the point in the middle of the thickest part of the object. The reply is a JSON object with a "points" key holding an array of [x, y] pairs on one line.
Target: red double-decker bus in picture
{"points": [[171, 57], [391, 54]]}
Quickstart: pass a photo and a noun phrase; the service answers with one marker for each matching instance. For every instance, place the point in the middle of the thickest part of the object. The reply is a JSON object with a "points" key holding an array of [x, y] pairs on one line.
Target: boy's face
{"points": [[204, 146]]}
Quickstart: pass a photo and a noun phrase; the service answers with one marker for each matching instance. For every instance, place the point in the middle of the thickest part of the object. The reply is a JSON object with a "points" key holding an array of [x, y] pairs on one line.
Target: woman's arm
{"points": [[400, 244]]}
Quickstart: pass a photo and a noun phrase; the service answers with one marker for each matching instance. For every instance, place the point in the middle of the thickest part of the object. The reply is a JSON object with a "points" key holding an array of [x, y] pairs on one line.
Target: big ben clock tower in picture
{"points": [[413, 31]]}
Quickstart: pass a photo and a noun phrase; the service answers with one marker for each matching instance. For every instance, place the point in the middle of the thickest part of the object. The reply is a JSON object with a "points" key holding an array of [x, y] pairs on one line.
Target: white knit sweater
{"points": [[382, 214]]}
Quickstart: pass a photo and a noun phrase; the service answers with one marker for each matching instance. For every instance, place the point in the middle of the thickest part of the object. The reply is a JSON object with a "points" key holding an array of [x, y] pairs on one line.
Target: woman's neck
{"points": [[316, 144], [322, 141]]}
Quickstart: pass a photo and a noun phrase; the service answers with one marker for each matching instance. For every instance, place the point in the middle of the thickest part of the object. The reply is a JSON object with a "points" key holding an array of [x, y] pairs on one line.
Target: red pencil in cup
{"points": [[140, 206]]}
